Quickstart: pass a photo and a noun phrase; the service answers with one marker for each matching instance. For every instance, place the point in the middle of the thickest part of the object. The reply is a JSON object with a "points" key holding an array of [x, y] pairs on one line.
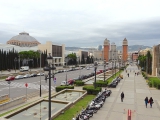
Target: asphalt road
{"points": [[17, 88]]}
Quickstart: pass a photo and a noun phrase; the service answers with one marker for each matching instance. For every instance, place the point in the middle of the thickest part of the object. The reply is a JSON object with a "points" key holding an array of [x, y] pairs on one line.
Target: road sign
{"points": [[26, 85], [9, 82]]}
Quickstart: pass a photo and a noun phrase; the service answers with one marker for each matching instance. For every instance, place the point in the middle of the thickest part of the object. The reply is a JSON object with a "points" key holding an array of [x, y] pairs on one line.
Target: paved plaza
{"points": [[135, 89]]}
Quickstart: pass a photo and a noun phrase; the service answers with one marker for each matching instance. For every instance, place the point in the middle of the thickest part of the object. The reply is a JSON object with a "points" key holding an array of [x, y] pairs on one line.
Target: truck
{"points": [[24, 68]]}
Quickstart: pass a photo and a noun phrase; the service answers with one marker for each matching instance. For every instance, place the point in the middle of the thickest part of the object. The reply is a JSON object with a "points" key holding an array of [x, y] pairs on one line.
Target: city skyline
{"points": [[82, 23]]}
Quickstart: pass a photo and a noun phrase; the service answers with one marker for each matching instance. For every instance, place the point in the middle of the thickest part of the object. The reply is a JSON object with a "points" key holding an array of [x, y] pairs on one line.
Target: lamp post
{"points": [[95, 68], [104, 69], [40, 92], [112, 65], [15, 61], [48, 69], [79, 67], [66, 60], [19, 61], [115, 67]]}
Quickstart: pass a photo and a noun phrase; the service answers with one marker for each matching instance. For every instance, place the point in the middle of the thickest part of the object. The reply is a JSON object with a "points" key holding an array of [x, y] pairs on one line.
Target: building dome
{"points": [[23, 40]]}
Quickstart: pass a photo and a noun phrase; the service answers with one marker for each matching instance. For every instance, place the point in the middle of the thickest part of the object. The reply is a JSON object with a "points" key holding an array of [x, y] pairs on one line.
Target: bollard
{"points": [[129, 114]]}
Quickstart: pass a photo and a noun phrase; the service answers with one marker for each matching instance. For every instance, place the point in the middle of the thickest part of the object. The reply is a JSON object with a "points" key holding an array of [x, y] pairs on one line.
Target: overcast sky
{"points": [[82, 23]]}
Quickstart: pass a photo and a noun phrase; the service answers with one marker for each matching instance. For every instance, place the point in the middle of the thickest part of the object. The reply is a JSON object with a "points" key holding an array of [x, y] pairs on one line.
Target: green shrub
{"points": [[59, 88], [79, 83], [154, 82], [92, 90], [101, 83]]}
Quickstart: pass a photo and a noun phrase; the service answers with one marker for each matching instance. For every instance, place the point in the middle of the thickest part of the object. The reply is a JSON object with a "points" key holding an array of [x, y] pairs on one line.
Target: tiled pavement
{"points": [[135, 89]]}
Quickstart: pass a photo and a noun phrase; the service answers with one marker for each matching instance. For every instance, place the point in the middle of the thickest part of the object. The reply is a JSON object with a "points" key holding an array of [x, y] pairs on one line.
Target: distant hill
{"points": [[134, 47], [130, 48]]}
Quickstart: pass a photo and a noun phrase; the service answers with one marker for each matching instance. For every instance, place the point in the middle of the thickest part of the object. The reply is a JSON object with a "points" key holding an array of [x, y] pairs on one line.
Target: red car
{"points": [[9, 78], [98, 72], [70, 82]]}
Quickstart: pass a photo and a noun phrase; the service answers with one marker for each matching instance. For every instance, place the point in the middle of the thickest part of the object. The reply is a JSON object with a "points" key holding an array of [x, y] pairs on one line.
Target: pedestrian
{"points": [[150, 102], [135, 73], [122, 96], [146, 101], [128, 74]]}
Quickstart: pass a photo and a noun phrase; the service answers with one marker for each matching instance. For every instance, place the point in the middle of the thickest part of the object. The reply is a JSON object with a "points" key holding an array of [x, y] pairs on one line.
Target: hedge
{"points": [[79, 83], [59, 88], [154, 82], [101, 83], [92, 90]]}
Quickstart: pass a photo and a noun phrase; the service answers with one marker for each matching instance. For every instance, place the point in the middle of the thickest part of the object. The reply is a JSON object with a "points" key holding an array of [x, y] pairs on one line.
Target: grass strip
{"points": [[75, 109]]}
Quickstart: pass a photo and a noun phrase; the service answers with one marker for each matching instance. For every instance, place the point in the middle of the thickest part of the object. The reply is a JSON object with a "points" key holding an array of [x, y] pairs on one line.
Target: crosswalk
{"points": [[30, 85]]}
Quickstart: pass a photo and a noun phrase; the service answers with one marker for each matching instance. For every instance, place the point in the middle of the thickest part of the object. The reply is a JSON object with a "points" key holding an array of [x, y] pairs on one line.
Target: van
{"points": [[24, 68]]}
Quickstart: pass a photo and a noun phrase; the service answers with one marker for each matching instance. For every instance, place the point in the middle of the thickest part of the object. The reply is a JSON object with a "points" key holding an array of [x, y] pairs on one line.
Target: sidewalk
{"points": [[135, 90]]}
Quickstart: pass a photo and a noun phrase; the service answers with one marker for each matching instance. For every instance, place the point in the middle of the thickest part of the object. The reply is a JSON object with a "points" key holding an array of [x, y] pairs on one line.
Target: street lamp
{"points": [[95, 68], [15, 61], [19, 61], [78, 58], [40, 73], [48, 69], [104, 69], [66, 60]]}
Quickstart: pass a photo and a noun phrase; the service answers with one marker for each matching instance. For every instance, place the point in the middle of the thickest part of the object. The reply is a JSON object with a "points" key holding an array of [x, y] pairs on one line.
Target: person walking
{"points": [[122, 96], [150, 102], [146, 101], [128, 74]]}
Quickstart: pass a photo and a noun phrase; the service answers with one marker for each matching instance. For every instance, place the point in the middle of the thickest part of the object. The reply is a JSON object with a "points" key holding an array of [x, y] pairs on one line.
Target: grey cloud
{"points": [[143, 33]]}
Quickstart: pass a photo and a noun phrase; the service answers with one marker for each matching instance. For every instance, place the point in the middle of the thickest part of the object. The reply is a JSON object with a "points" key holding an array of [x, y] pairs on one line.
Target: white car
{"points": [[26, 76], [64, 83], [19, 77], [40, 74], [88, 68]]}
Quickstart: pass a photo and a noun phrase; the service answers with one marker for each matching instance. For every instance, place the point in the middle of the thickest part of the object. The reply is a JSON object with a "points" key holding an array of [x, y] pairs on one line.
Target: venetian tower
{"points": [[106, 50], [125, 50]]}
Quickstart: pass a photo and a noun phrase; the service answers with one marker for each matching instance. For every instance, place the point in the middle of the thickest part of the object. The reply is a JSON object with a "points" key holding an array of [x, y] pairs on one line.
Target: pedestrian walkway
{"points": [[135, 90]]}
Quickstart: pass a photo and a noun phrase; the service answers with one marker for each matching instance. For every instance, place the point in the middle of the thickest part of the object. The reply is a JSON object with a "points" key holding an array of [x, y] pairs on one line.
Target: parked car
{"points": [[26, 76], [9, 78], [19, 77], [40, 74], [33, 75], [24, 68], [88, 68], [70, 82], [112, 85], [64, 83]]}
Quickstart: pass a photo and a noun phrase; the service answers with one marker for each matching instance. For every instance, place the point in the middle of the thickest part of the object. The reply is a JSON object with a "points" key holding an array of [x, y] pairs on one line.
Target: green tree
{"points": [[149, 62], [72, 58]]}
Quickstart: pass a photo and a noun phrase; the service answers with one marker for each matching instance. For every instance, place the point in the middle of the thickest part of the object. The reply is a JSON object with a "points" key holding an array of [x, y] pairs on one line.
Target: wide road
{"points": [[17, 87]]}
